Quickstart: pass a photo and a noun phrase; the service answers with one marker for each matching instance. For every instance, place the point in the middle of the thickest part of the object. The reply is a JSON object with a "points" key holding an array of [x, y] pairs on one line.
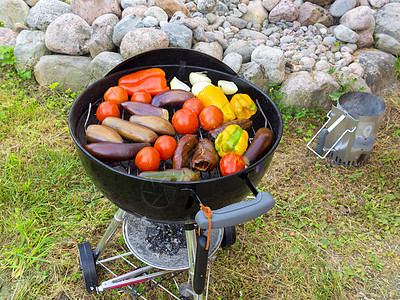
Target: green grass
{"points": [[333, 233]]}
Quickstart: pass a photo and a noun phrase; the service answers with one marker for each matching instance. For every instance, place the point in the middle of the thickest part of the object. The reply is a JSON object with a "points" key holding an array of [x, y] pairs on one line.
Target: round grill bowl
{"points": [[165, 200]]}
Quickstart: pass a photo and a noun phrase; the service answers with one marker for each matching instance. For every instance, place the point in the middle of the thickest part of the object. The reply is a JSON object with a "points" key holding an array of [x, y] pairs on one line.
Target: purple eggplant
{"points": [[106, 151], [171, 98]]}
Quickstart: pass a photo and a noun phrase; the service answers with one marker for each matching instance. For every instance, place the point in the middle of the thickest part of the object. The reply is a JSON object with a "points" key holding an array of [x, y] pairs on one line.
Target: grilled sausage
{"points": [[99, 133], [205, 157], [183, 151], [131, 132]]}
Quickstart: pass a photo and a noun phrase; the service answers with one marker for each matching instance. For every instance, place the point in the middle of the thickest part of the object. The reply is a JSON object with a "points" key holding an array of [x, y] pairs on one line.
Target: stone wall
{"points": [[307, 47]]}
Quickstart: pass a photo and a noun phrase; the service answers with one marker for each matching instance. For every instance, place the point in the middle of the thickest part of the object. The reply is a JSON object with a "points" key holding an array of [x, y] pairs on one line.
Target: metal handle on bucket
{"points": [[322, 134]]}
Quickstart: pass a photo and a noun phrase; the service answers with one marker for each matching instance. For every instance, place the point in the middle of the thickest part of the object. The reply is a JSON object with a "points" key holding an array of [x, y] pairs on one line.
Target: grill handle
{"points": [[237, 213]]}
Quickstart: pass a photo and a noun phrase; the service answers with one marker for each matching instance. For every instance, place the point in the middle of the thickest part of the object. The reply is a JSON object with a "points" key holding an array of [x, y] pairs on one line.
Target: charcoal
{"points": [[166, 238]]}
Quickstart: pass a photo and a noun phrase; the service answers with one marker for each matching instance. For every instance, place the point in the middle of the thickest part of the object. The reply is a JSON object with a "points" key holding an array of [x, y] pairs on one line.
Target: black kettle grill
{"points": [[166, 201]]}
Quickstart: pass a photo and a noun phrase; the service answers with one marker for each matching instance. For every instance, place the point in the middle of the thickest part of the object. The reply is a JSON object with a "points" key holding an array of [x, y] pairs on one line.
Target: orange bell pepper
{"points": [[150, 80]]}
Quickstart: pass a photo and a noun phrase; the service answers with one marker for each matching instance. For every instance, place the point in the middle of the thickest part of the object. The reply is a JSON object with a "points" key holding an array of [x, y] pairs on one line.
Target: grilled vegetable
{"points": [[231, 163], [228, 87], [176, 84], [196, 77], [245, 124], [106, 151], [151, 80], [157, 124], [171, 98], [232, 139], [243, 106], [138, 108], [261, 143], [184, 174], [183, 151], [129, 131], [205, 158], [99, 133], [213, 95]]}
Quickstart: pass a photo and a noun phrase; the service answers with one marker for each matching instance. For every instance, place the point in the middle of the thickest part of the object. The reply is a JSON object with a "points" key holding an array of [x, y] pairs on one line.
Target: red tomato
{"points": [[147, 159], [107, 109], [185, 121], [141, 96], [116, 94], [231, 163], [166, 146], [211, 117], [193, 104]]}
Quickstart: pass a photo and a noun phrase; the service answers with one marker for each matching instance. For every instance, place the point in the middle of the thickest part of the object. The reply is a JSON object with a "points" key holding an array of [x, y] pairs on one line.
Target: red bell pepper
{"points": [[151, 80]]}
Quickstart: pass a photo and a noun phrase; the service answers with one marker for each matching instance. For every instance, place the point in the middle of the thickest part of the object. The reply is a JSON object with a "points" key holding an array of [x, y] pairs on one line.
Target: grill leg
{"points": [[191, 242], [118, 218]]}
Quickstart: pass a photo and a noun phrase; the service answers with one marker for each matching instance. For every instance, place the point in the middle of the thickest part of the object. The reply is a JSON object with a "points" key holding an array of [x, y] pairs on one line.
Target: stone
{"points": [[31, 2], [104, 63], [388, 20], [207, 6], [46, 11], [387, 43], [141, 40], [241, 47], [285, 10], [357, 69], [307, 62], [214, 49], [256, 13], [216, 37], [378, 68], [29, 48], [345, 34], [128, 3], [13, 11], [308, 89], [172, 6], [251, 34], [156, 12], [101, 36], [150, 21], [137, 10], [365, 39], [234, 61], [358, 18], [310, 14], [179, 35], [127, 24], [321, 2], [7, 37], [340, 7], [68, 34], [323, 65], [237, 22], [72, 71], [378, 3], [272, 60], [270, 4], [254, 73], [89, 10]]}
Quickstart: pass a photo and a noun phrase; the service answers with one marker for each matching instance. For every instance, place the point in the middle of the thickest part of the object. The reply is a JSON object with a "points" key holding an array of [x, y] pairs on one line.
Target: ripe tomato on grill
{"points": [[211, 117], [231, 163], [147, 159], [141, 96], [166, 146], [107, 109], [193, 104], [185, 121], [116, 94]]}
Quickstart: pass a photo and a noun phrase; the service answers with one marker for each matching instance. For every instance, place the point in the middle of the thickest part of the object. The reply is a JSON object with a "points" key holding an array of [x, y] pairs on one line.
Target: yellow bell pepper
{"points": [[213, 95], [243, 106], [232, 139]]}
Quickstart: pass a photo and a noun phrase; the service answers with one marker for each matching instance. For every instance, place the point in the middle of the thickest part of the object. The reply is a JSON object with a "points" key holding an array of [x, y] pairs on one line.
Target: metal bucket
{"points": [[350, 132]]}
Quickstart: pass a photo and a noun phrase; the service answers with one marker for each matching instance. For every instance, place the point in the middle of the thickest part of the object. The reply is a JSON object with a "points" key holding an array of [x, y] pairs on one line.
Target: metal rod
{"points": [[118, 218]]}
